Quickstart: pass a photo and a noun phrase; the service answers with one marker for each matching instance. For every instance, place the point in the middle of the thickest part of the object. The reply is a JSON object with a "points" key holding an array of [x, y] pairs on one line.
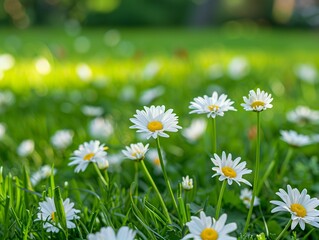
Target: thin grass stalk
{"points": [[100, 175], [285, 163], [284, 230], [214, 138], [220, 198], [256, 175]]}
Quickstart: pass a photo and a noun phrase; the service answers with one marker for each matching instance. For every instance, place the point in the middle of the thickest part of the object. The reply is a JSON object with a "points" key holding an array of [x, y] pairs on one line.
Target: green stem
{"points": [[219, 203], [150, 179], [284, 230], [256, 175], [214, 139], [265, 176], [100, 175], [285, 163], [165, 174], [136, 180]]}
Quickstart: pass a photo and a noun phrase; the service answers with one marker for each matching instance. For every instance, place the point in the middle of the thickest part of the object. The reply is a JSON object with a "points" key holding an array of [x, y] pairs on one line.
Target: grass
{"points": [[120, 74]]}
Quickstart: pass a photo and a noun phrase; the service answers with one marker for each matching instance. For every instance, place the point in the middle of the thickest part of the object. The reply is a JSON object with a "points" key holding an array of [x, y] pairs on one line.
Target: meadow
{"points": [[90, 82]]}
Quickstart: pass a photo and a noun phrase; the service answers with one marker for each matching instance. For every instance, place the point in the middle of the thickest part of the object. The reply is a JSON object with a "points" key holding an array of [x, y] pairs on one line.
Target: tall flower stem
{"points": [[150, 179], [100, 175], [165, 174], [285, 163], [256, 175], [284, 230], [136, 180], [214, 139], [219, 203]]}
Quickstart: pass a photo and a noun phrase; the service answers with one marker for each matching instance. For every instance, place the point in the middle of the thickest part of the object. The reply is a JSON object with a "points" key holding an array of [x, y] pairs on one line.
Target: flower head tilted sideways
{"points": [[301, 207], [303, 115], [207, 228], [187, 183], [154, 121], [212, 106], [229, 169], [47, 214], [257, 101], [136, 151], [294, 139], [246, 196], [88, 152], [107, 233]]}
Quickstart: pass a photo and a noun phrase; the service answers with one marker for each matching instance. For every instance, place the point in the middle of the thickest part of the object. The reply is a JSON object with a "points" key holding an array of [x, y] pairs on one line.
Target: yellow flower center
{"points": [[157, 161], [213, 107], [229, 172], [209, 234], [298, 209], [88, 156], [257, 104], [154, 126], [53, 216]]}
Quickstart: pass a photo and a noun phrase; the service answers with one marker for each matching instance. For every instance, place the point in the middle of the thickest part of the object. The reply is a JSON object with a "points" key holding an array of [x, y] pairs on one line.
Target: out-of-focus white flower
{"points": [[2, 130], [84, 72], [42, 66], [44, 172], [7, 61], [25, 148], [215, 71], [149, 95], [112, 37], [47, 214], [294, 139], [238, 68], [154, 121], [92, 111], [303, 115], [257, 101], [107, 233], [246, 195], [195, 130], [62, 139], [153, 158], [127, 93], [187, 183], [100, 128], [151, 69], [6, 99], [306, 72]]}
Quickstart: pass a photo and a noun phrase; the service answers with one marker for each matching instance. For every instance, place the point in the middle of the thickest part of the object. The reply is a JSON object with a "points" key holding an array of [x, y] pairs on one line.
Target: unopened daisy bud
{"points": [[66, 184], [102, 163], [187, 183], [136, 151]]}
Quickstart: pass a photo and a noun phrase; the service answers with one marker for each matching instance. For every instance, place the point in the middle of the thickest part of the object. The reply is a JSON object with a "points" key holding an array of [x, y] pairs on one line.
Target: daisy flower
{"points": [[100, 128], [212, 106], [246, 195], [257, 101], [302, 115], [299, 205], [230, 169], [136, 151], [88, 152], [62, 139], [44, 172], [47, 214], [187, 183], [25, 148], [107, 233], [154, 121], [294, 139], [207, 228], [195, 130], [153, 158]]}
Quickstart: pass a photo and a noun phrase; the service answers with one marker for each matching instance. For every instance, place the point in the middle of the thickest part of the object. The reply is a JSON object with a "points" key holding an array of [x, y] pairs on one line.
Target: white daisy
{"points": [[299, 205], [294, 139], [25, 148], [150, 94], [100, 128], [205, 228], [230, 169], [306, 72], [62, 139], [303, 115], [153, 121], [238, 68], [47, 214], [107, 233], [187, 183], [212, 106], [246, 195], [257, 101], [153, 158], [92, 111], [136, 151], [195, 130], [88, 152]]}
